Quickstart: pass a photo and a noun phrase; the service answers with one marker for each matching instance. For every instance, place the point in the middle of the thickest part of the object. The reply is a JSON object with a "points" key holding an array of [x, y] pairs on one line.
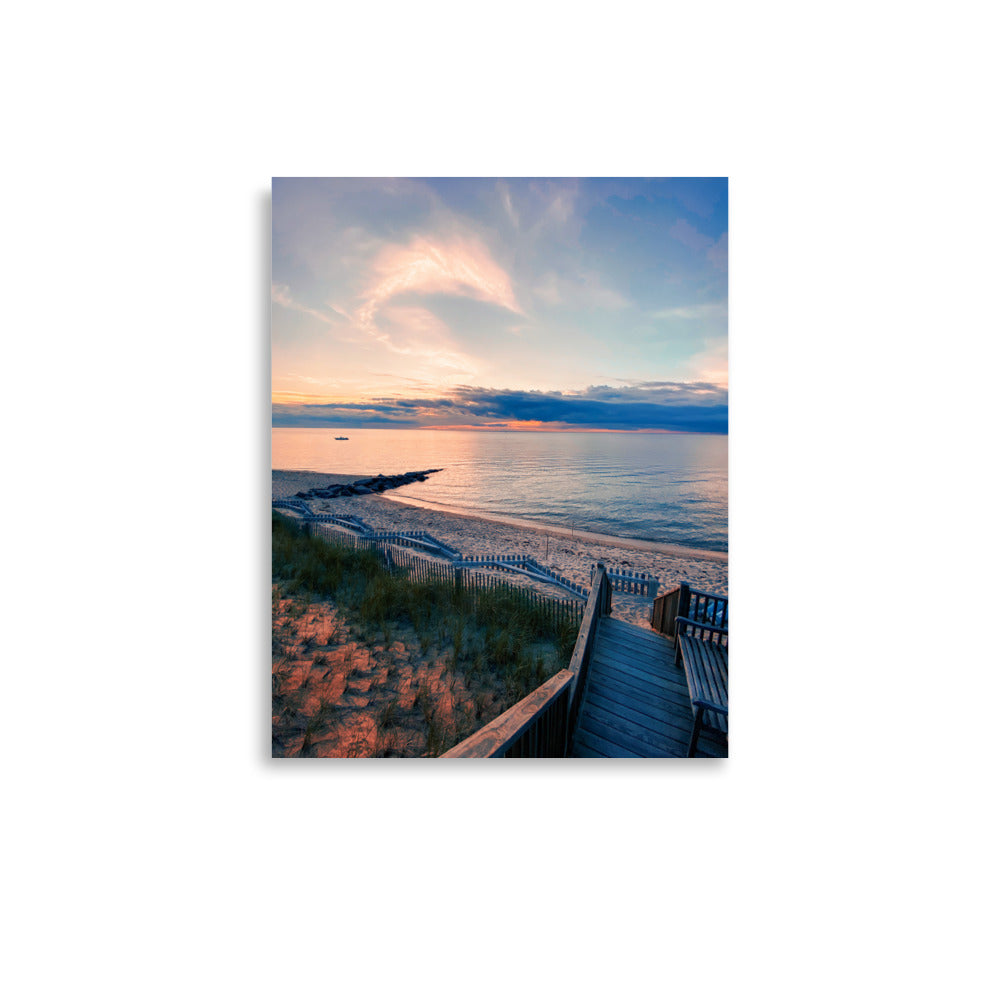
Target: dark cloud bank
{"points": [[660, 406]]}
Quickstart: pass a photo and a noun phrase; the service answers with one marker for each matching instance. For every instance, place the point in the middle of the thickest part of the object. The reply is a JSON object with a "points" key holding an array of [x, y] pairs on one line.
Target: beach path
{"points": [[636, 701]]}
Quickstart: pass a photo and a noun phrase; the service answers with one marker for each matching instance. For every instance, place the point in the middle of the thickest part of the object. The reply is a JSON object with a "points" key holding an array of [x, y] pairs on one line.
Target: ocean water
{"points": [[670, 488]]}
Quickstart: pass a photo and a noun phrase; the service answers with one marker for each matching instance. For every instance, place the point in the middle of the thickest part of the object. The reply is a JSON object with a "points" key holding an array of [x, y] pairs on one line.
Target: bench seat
{"points": [[706, 667]]}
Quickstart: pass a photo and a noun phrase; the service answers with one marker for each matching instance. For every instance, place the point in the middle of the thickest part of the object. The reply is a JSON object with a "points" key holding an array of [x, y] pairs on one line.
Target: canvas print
{"points": [[499, 455]]}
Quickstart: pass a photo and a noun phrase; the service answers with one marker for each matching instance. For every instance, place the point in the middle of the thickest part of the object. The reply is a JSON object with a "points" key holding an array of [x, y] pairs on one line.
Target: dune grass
{"points": [[500, 642]]}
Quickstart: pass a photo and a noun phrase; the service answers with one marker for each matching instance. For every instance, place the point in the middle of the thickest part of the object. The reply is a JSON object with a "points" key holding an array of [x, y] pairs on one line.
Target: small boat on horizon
{"points": [[341, 439]]}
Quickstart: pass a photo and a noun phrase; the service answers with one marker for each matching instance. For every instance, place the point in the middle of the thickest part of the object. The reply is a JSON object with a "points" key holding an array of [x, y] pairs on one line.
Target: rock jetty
{"points": [[362, 487]]}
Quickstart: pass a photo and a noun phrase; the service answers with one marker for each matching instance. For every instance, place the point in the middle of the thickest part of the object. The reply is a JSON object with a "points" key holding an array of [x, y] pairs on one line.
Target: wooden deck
{"points": [[635, 703]]}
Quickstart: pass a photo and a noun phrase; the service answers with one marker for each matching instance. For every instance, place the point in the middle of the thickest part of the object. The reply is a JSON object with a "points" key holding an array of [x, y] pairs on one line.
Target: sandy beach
{"points": [[570, 553]]}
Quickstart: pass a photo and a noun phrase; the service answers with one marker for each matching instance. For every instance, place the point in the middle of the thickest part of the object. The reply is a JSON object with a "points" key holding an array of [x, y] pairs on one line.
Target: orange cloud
{"points": [[460, 267]]}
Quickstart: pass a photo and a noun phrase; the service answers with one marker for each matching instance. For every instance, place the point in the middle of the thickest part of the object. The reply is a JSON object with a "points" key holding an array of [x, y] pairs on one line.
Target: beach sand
{"points": [[570, 553], [337, 693]]}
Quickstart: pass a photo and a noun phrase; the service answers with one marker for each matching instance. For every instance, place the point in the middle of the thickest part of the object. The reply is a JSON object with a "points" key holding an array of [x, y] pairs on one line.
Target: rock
{"points": [[360, 490]]}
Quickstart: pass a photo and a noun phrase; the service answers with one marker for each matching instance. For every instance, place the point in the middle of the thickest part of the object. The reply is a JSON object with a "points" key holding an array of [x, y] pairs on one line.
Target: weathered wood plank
{"points": [[634, 636], [588, 740], [496, 736], [629, 670], [616, 624], [627, 741], [657, 741], [671, 725], [654, 664], [656, 717], [647, 651], [706, 667], [641, 687], [640, 692], [626, 690], [665, 611]]}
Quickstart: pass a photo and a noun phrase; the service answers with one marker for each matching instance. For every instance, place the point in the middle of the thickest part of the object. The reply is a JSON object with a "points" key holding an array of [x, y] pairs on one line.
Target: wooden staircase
{"points": [[635, 702]]}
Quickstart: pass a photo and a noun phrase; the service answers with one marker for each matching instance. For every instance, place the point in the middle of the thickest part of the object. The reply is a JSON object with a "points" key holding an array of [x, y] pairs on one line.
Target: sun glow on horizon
{"points": [[598, 305]]}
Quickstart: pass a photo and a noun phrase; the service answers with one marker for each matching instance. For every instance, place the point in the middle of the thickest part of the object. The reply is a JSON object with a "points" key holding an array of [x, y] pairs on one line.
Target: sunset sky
{"points": [[526, 304]]}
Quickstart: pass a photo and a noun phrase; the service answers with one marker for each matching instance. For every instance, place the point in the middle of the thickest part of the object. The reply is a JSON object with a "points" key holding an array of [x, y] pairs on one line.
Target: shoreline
{"points": [[621, 541], [568, 552], [310, 478]]}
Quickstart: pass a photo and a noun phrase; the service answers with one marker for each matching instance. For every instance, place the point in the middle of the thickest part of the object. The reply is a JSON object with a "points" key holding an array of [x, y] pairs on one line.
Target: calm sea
{"points": [[661, 487]]}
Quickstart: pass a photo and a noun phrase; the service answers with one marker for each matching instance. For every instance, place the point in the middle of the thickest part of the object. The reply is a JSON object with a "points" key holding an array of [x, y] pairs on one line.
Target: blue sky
{"points": [[524, 303]]}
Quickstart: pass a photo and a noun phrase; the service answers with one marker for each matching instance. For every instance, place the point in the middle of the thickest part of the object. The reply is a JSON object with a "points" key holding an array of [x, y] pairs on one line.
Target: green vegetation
{"points": [[493, 636]]}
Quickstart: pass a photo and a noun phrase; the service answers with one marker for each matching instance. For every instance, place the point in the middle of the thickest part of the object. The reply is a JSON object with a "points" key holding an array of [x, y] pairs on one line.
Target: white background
{"points": [[152, 848]]}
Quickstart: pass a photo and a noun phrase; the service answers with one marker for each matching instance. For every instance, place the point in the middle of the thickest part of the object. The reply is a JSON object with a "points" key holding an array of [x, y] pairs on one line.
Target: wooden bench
{"points": [[704, 651]]}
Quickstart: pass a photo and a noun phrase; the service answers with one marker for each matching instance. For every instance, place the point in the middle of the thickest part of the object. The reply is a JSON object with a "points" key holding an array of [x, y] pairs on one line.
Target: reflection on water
{"points": [[662, 487]]}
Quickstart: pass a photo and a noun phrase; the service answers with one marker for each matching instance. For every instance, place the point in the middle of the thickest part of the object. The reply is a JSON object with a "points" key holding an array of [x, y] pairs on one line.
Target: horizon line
{"points": [[493, 429]]}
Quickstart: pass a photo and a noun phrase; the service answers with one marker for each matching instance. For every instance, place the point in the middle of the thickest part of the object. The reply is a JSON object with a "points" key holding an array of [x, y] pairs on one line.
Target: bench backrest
{"points": [[703, 631]]}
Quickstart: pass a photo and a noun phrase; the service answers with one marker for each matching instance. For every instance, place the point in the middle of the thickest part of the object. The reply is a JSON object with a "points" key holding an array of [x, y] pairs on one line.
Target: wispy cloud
{"points": [[508, 204], [427, 266], [282, 295]]}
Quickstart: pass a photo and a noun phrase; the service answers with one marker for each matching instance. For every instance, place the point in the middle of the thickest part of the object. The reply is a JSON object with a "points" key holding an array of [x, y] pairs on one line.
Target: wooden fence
{"points": [[420, 539], [557, 612], [365, 534], [518, 563], [626, 582]]}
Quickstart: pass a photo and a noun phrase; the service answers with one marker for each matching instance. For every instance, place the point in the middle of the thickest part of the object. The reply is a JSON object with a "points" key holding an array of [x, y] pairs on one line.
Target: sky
{"points": [[524, 304]]}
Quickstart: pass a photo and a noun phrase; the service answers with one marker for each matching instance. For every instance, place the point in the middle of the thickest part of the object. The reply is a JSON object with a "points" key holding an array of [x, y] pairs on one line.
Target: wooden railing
{"points": [[665, 611], [626, 582], [534, 727], [701, 606], [598, 606], [542, 724], [686, 602]]}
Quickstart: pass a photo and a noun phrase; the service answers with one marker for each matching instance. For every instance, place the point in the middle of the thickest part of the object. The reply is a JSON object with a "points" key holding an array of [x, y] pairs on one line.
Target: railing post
{"points": [[683, 600], [604, 598]]}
